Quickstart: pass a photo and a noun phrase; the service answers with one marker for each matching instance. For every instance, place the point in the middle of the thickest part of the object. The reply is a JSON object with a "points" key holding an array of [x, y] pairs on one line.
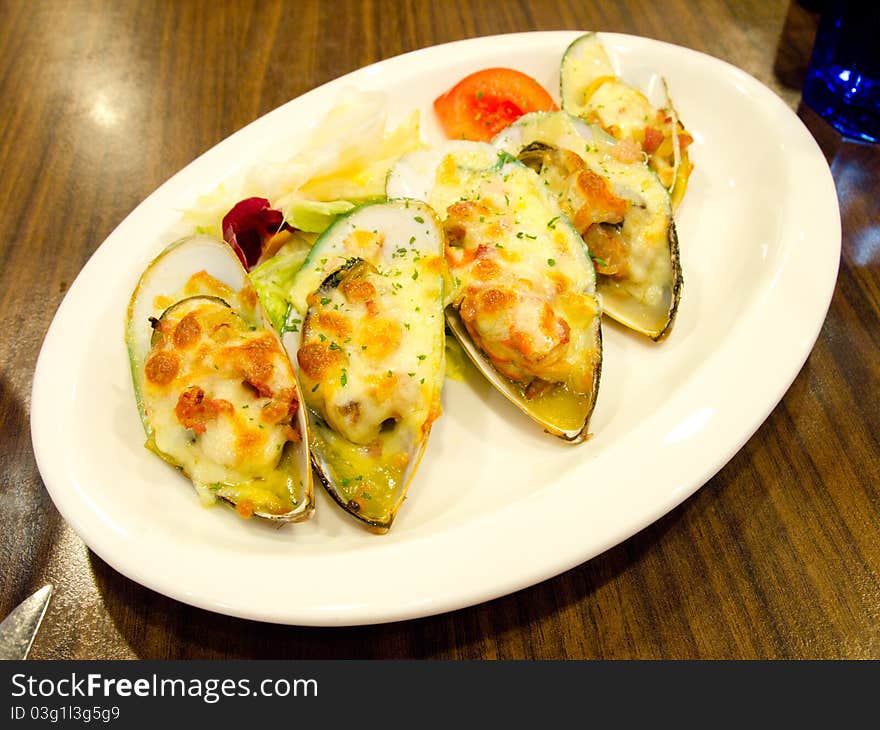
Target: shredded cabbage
{"points": [[343, 163], [272, 278]]}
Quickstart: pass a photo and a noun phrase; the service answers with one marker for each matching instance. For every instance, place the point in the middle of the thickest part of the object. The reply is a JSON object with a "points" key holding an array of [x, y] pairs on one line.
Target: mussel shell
{"points": [[584, 62], [623, 299], [415, 174], [165, 276], [349, 470]]}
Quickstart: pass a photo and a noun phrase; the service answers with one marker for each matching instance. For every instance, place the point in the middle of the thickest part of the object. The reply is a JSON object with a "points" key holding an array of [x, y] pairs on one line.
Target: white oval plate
{"points": [[497, 505]]}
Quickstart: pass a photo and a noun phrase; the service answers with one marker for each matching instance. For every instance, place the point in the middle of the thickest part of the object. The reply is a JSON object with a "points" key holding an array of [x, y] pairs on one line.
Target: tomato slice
{"points": [[482, 104]]}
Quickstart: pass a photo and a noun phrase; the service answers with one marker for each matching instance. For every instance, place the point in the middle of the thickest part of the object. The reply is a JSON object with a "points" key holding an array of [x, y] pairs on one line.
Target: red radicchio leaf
{"points": [[248, 226]]}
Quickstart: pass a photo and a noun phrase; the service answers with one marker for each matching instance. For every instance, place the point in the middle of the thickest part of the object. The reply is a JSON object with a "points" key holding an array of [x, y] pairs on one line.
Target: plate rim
{"points": [[355, 614]]}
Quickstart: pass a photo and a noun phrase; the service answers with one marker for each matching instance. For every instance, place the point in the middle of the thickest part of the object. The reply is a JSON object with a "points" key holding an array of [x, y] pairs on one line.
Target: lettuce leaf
{"points": [[272, 278], [314, 216]]}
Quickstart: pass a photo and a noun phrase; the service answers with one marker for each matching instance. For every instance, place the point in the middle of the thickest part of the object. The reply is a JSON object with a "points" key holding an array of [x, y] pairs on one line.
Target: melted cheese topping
{"points": [[626, 114], [621, 110], [220, 397], [523, 282], [360, 361], [615, 202], [592, 90]]}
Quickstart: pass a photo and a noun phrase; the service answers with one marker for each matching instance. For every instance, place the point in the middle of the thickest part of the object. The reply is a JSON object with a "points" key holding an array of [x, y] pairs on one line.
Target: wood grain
{"points": [[778, 556]]}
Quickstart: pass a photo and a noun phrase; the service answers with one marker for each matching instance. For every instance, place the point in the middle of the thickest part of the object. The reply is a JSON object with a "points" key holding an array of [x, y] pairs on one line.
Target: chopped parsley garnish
{"points": [[503, 159], [343, 379], [552, 222], [419, 219], [292, 326], [551, 262]]}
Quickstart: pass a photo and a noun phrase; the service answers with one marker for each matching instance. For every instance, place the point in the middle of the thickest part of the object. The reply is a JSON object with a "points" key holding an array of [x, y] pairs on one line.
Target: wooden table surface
{"points": [[778, 556]]}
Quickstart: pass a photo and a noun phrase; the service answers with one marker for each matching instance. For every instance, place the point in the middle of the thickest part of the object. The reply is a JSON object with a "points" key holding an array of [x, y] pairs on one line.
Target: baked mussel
{"points": [[216, 391], [521, 295], [618, 205], [367, 334], [592, 90]]}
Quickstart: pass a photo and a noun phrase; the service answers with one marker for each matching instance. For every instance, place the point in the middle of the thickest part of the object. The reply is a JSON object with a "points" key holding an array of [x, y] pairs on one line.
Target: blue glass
{"points": [[843, 79]]}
